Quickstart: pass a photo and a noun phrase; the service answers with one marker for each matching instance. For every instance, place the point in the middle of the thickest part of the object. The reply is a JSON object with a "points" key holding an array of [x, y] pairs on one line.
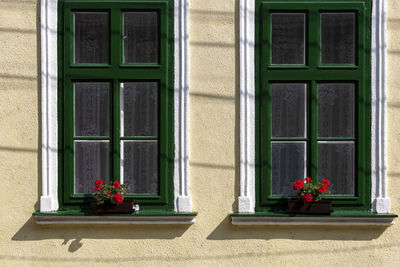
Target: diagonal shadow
{"points": [[31, 231], [226, 231]]}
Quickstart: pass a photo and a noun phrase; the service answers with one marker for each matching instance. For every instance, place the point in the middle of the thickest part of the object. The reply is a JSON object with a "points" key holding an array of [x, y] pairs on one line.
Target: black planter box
{"points": [[297, 206], [108, 207]]}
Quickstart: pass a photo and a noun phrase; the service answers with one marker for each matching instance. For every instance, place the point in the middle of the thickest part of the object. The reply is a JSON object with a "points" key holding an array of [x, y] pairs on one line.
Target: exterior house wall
{"points": [[214, 166]]}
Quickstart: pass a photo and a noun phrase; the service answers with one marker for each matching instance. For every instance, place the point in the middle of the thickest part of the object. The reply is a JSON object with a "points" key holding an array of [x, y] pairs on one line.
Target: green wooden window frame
{"points": [[114, 73], [312, 73]]}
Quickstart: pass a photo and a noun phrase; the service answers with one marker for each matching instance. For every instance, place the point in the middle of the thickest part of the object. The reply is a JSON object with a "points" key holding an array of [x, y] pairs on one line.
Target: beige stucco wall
{"points": [[214, 167]]}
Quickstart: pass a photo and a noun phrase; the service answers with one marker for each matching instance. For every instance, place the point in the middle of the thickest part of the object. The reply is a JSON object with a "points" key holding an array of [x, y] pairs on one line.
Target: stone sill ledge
{"points": [[328, 221], [140, 217]]}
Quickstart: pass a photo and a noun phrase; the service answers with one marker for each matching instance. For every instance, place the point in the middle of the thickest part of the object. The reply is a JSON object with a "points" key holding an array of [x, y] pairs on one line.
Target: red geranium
{"points": [[323, 188], [111, 192], [298, 185], [307, 198], [325, 181], [98, 182], [96, 189], [117, 198], [309, 191]]}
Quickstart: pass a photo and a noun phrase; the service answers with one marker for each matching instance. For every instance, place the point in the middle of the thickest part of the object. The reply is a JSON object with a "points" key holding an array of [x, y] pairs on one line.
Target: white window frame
{"points": [[49, 89], [380, 201]]}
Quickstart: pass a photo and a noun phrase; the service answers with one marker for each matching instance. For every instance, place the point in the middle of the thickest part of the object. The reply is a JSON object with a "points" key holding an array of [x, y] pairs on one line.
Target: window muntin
{"points": [[343, 80], [119, 131]]}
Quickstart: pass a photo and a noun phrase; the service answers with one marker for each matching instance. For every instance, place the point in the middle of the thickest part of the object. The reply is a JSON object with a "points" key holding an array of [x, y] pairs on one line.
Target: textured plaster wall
{"points": [[214, 137]]}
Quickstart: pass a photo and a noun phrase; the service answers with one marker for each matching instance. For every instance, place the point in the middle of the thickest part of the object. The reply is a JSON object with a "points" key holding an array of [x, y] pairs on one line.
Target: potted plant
{"points": [[109, 198], [310, 201]]}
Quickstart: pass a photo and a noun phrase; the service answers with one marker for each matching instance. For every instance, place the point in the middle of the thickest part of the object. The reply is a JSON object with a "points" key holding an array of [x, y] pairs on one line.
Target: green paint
{"points": [[135, 214], [312, 73], [336, 214], [115, 73]]}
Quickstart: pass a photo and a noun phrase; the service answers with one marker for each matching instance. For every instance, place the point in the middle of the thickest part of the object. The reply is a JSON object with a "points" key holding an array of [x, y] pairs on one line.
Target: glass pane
{"points": [[288, 38], [91, 163], [288, 110], [336, 109], [139, 166], [288, 165], [336, 163], [337, 38], [92, 107], [140, 37], [139, 109], [91, 37]]}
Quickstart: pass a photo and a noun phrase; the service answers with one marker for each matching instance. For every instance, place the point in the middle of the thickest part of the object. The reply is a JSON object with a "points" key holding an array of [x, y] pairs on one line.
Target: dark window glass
{"points": [[337, 38], [91, 163], [91, 37], [140, 166], [288, 38], [141, 37], [336, 163], [139, 109], [288, 110]]}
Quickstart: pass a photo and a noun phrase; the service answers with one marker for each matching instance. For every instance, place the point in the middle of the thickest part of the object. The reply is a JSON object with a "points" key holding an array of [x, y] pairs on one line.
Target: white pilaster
{"points": [[379, 195], [379, 198], [183, 201], [49, 16], [48, 33], [247, 108]]}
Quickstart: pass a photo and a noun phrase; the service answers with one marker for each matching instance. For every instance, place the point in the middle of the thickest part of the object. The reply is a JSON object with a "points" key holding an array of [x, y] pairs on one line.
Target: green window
{"points": [[116, 102], [313, 100]]}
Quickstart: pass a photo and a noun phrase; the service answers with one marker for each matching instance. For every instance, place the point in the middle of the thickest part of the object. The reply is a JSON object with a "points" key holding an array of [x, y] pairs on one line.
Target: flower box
{"points": [[108, 207], [297, 206]]}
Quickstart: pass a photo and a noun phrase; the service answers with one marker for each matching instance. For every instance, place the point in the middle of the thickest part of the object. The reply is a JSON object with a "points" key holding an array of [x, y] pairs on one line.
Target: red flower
{"points": [[98, 182], [108, 193], [116, 184], [325, 181], [308, 179], [96, 189], [307, 198], [298, 185], [323, 188], [117, 198]]}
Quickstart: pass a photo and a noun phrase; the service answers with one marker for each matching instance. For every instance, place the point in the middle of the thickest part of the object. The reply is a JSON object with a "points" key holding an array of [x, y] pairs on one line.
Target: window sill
{"points": [[140, 217], [343, 218]]}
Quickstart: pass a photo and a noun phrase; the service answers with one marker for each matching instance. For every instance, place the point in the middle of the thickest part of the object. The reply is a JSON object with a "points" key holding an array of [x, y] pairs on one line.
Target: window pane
{"points": [[91, 163], [337, 38], [336, 163], [140, 37], [288, 165], [288, 110], [288, 38], [336, 110], [139, 109], [92, 109], [139, 166], [91, 37]]}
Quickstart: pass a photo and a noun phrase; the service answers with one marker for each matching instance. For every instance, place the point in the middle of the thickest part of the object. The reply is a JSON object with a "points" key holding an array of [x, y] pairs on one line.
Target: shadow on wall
{"points": [[31, 231], [226, 231], [74, 235]]}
